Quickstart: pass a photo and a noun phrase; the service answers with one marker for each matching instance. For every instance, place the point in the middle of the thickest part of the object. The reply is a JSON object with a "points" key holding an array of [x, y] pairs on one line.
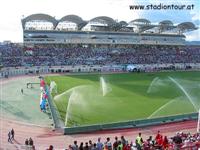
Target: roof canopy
{"points": [[142, 21], [123, 23], [186, 26], [166, 23], [42, 17], [72, 18], [142, 24], [109, 21]]}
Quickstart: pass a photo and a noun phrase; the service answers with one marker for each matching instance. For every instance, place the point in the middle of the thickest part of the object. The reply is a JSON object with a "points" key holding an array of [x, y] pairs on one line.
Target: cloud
{"points": [[193, 36], [11, 12]]}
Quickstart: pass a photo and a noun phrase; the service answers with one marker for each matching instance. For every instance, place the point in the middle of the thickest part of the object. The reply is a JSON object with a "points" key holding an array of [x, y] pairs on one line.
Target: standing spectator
{"points": [[158, 136], [90, 144], [30, 142], [139, 141], [159, 142], [26, 142], [165, 143], [86, 147], [177, 141], [150, 142], [99, 144], [9, 136], [94, 147], [120, 146], [75, 146], [81, 146], [123, 140], [108, 143], [12, 134], [115, 144]]}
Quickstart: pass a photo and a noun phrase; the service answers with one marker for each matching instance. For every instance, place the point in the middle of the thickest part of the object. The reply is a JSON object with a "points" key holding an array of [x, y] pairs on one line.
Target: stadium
{"points": [[77, 80]]}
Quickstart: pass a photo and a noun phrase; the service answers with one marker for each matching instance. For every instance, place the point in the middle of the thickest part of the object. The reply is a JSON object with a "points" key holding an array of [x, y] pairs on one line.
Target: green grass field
{"points": [[80, 99]]}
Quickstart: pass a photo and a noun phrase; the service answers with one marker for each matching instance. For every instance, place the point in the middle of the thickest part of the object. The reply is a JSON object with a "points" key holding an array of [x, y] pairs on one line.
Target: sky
{"points": [[12, 11]]}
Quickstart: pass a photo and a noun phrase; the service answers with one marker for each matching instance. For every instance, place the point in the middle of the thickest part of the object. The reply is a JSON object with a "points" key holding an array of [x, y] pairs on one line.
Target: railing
{"points": [[130, 124], [54, 112]]}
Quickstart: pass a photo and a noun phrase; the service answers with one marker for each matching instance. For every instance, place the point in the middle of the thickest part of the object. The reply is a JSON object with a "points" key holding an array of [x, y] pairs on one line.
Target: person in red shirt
{"points": [[158, 140], [158, 136], [165, 143]]}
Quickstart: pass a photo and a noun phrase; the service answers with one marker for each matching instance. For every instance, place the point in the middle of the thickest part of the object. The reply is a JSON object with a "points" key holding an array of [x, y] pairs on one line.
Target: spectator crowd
{"points": [[180, 141], [13, 55]]}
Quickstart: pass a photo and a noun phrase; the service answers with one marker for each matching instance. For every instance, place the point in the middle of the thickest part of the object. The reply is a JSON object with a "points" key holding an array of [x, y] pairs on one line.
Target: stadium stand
{"points": [[99, 41], [57, 55], [72, 29]]}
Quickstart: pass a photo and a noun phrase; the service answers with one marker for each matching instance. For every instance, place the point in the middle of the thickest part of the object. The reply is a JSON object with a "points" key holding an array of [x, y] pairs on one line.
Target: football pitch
{"points": [[105, 98]]}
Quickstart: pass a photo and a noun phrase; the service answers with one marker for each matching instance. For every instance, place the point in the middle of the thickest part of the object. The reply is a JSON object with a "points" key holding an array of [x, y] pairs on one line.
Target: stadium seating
{"points": [[56, 55]]}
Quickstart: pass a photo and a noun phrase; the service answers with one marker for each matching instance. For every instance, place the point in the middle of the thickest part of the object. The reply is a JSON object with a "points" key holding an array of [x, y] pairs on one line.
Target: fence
{"points": [[130, 124]]}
